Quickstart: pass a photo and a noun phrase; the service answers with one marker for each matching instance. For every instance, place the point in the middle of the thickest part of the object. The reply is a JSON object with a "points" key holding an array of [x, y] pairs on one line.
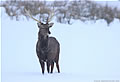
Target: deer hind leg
{"points": [[57, 65], [52, 66], [42, 66]]}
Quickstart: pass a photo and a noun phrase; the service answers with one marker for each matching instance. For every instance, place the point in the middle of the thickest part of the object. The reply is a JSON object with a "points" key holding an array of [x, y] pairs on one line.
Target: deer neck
{"points": [[43, 42]]}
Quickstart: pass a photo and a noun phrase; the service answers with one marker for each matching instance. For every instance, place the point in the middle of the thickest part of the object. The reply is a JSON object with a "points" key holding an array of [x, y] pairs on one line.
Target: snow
{"points": [[0, 44], [111, 3], [89, 51]]}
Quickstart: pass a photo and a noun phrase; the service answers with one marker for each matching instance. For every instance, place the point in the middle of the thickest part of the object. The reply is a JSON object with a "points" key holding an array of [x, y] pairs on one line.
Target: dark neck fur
{"points": [[43, 42]]}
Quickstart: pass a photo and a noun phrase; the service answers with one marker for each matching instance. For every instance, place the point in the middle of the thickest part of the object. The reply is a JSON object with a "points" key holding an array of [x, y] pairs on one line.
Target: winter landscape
{"points": [[89, 51]]}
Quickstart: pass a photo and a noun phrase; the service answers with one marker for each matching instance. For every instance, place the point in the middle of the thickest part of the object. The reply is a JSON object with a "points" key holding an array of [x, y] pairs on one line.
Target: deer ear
{"points": [[39, 24], [50, 25]]}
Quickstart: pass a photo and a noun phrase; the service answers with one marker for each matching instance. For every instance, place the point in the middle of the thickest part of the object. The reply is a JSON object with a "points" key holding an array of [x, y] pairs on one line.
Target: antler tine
{"points": [[28, 13], [52, 14]]}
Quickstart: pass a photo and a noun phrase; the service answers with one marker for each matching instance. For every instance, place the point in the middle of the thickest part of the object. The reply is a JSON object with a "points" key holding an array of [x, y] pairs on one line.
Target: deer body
{"points": [[47, 48], [49, 53]]}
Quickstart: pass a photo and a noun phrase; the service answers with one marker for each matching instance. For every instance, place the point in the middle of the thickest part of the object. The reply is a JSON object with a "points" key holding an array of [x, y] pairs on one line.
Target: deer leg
{"points": [[57, 65], [42, 66], [52, 66], [48, 66]]}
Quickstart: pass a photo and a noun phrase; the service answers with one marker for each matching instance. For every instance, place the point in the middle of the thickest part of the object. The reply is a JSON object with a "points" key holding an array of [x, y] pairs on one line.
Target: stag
{"points": [[47, 48]]}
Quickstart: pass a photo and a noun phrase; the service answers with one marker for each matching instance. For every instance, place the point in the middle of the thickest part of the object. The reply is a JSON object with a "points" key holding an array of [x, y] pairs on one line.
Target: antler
{"points": [[50, 17], [28, 13]]}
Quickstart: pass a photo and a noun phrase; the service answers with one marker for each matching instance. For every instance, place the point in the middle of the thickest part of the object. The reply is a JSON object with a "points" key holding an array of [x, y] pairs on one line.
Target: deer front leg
{"points": [[42, 66]]}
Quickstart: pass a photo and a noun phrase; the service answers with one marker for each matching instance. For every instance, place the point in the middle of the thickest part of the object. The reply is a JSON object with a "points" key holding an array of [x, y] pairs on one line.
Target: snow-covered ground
{"points": [[89, 51]]}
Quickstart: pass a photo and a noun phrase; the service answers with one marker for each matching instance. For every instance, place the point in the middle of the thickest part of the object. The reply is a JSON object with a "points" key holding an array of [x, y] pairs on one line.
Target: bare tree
{"points": [[64, 10]]}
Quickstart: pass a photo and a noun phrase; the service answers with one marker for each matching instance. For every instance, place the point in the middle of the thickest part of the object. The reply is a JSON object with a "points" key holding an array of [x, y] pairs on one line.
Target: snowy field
{"points": [[89, 51]]}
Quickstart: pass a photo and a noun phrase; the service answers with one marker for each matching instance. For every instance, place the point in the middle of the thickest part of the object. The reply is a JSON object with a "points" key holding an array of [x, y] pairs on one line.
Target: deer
{"points": [[47, 48]]}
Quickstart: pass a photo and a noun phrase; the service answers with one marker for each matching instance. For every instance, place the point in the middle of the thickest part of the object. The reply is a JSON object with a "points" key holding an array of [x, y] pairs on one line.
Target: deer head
{"points": [[43, 28]]}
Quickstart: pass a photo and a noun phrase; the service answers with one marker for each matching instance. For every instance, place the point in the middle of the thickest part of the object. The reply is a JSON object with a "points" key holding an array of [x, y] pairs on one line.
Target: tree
{"points": [[63, 11]]}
